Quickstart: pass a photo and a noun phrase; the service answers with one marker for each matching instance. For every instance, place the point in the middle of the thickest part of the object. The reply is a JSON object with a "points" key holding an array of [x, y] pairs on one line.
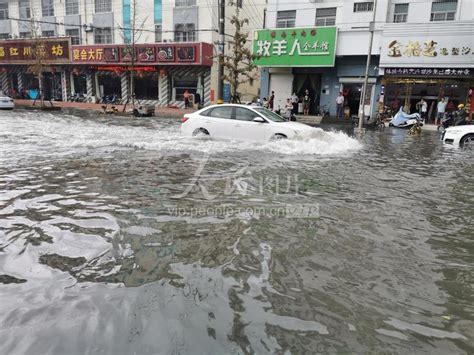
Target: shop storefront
{"points": [[161, 72], [295, 60], [428, 62]]}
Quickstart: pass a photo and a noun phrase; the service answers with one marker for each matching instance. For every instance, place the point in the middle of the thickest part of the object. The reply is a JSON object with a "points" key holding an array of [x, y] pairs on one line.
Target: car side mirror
{"points": [[259, 120]]}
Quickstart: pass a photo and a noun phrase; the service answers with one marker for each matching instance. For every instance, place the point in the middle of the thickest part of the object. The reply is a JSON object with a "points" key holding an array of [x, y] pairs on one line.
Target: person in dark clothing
{"points": [[271, 100]]}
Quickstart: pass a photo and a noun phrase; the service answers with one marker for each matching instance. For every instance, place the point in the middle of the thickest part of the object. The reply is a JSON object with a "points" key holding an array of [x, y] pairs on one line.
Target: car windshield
{"points": [[272, 116]]}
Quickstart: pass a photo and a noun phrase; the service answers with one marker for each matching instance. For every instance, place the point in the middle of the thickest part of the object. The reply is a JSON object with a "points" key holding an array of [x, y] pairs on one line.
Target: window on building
{"points": [[103, 5], [400, 13], [75, 36], [326, 17], [443, 10], [47, 34], [364, 6], [286, 19], [184, 32], [47, 7], [4, 35], [25, 9], [103, 35], [185, 3], [72, 7], [158, 33], [25, 34], [3, 10]]}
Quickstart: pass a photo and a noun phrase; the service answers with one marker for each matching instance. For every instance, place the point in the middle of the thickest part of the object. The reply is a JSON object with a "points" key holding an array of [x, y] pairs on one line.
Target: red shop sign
{"points": [[21, 51]]}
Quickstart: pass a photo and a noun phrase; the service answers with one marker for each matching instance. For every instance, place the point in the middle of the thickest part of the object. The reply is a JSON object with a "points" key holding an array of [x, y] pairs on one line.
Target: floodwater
{"points": [[120, 236]]}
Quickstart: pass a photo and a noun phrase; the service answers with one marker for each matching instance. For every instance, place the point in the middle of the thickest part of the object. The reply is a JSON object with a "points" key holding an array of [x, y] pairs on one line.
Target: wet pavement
{"points": [[120, 236]]}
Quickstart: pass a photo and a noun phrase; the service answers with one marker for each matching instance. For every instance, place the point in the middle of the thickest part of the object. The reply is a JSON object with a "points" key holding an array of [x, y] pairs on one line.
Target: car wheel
{"points": [[467, 142], [200, 132], [279, 136]]}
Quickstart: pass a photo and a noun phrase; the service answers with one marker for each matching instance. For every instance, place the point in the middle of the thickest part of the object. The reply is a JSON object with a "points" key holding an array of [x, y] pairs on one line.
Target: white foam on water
{"points": [[47, 134]]}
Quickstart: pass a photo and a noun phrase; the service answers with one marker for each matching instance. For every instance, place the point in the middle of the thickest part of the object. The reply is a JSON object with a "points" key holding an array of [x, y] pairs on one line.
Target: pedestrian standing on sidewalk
{"points": [[441, 108], [340, 105], [294, 102], [186, 99], [288, 109], [306, 103], [271, 100], [422, 107]]}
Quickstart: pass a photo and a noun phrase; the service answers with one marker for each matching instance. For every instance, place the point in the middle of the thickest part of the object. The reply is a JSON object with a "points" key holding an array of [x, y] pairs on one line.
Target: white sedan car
{"points": [[6, 103], [462, 136], [240, 122]]}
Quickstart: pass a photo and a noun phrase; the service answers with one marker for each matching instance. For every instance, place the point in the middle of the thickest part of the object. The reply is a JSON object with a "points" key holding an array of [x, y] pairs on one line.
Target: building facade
{"points": [[410, 36], [175, 46]]}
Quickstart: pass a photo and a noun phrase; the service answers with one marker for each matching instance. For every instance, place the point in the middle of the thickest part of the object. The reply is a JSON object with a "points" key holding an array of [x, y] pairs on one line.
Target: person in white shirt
{"points": [[294, 102], [422, 107], [441, 108], [288, 109], [339, 105]]}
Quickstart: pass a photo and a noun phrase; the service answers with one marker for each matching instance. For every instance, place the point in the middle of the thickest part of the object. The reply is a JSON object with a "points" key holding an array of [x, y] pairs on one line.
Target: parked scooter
{"points": [[404, 120]]}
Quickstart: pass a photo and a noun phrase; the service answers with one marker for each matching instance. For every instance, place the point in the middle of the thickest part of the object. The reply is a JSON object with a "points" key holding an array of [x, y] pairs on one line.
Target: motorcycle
{"points": [[405, 120], [457, 118]]}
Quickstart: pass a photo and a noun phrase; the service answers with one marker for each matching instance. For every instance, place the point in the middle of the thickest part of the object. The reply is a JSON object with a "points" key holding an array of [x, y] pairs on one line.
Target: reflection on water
{"points": [[111, 242]]}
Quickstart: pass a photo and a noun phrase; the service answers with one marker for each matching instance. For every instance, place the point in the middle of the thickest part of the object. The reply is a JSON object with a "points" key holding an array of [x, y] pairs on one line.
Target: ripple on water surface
{"points": [[134, 239]]}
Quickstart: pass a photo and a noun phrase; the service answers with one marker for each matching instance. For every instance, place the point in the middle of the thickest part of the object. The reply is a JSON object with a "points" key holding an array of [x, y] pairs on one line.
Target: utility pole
{"points": [[221, 43], [366, 78]]}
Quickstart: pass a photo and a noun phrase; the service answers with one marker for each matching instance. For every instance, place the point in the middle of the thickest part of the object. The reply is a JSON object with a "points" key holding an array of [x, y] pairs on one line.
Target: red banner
{"points": [[26, 51], [163, 53]]}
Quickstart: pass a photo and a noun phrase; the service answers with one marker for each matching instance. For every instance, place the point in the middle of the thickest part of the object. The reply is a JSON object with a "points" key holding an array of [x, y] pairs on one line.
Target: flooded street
{"points": [[120, 236]]}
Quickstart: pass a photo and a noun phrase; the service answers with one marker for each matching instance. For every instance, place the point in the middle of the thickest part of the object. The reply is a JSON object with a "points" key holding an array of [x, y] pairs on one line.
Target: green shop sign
{"points": [[295, 47]]}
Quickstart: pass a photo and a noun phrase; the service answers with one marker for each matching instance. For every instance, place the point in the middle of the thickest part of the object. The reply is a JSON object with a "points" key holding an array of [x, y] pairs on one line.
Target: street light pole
{"points": [[220, 66], [366, 78]]}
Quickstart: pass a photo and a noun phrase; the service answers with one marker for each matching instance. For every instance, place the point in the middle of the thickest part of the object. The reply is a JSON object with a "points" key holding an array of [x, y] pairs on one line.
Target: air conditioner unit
{"points": [[89, 27]]}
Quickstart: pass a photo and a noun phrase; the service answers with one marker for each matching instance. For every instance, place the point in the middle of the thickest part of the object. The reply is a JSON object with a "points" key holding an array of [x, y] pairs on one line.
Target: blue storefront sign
{"points": [[226, 93]]}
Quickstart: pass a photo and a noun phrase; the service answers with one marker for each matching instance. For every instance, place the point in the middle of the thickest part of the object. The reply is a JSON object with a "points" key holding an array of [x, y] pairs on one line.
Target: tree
{"points": [[238, 64], [39, 54], [131, 35]]}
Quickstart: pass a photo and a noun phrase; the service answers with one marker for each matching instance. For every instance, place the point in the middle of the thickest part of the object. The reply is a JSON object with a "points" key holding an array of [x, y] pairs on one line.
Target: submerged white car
{"points": [[462, 136], [6, 102], [240, 122]]}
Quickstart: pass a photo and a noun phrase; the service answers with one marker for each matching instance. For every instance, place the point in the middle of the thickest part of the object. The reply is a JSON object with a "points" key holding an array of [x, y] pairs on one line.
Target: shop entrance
{"points": [[52, 88], [110, 85], [352, 94], [407, 92], [180, 85], [80, 84], [312, 83], [146, 86]]}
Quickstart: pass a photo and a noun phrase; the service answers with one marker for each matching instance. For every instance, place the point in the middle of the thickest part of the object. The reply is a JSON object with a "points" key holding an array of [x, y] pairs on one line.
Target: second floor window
{"points": [[103, 5], [443, 10], [25, 9], [363, 6], [103, 35], [401, 12], [326, 17], [184, 32], [47, 34], [3, 11], [185, 3], [47, 7], [74, 34], [72, 7], [286, 19]]}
